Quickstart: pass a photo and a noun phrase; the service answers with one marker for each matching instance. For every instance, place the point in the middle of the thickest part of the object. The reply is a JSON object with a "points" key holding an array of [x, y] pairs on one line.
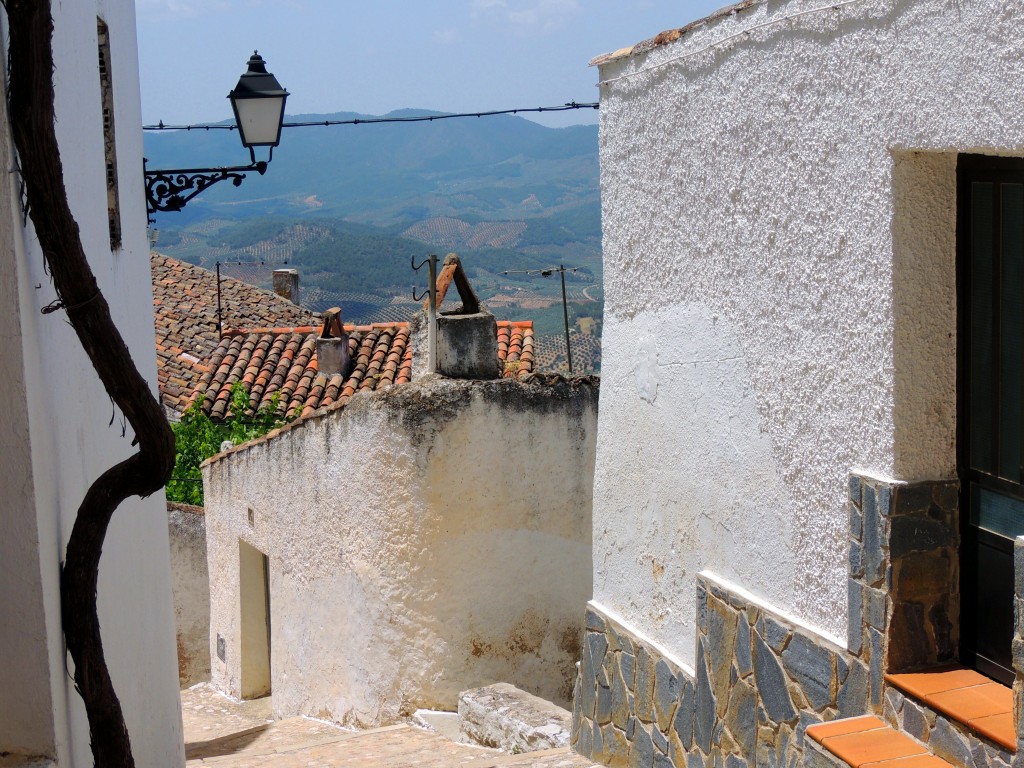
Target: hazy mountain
{"points": [[350, 206], [500, 168]]}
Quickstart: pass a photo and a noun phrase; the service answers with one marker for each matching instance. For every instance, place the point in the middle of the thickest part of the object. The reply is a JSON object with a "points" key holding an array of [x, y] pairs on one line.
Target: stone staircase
{"points": [[859, 741], [944, 718], [228, 734]]}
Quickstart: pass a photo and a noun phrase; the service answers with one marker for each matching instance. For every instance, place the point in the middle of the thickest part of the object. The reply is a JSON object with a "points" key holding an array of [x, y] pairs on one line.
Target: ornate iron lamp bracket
{"points": [[170, 190]]}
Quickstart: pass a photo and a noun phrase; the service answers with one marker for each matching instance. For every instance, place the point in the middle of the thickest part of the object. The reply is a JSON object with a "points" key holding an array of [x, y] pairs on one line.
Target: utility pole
{"points": [[431, 262], [561, 269], [565, 317]]}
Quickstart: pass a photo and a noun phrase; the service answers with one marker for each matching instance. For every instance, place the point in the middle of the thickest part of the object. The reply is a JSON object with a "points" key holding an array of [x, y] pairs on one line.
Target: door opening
{"points": [[254, 580], [990, 424]]}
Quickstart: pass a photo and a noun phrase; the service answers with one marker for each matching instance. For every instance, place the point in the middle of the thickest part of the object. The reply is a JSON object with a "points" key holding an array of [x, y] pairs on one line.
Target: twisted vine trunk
{"points": [[31, 102]]}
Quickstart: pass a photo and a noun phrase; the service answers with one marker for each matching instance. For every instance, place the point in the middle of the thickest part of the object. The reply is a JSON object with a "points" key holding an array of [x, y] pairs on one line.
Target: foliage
{"points": [[197, 438]]}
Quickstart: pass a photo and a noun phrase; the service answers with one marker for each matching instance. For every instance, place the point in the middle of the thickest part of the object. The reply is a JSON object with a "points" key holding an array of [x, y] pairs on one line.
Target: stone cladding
{"points": [[904, 594], [761, 678]]}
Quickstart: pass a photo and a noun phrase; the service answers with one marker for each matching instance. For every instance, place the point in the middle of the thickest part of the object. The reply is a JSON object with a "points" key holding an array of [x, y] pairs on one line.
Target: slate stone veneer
{"points": [[760, 679]]}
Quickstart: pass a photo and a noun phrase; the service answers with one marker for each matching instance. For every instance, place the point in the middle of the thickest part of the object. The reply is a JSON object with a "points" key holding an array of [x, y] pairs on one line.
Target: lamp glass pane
{"points": [[259, 120]]}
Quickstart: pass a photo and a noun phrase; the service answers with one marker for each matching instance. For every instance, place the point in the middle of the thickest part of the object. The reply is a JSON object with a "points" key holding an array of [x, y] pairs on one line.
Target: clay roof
{"points": [[671, 35], [282, 362], [185, 315]]}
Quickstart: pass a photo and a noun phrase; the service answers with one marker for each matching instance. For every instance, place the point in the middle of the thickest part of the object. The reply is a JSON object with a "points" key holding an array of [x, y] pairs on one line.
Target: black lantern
{"points": [[258, 103]]}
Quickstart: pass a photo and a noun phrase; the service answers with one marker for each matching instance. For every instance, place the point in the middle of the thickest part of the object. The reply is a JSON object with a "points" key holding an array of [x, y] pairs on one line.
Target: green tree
{"points": [[197, 438]]}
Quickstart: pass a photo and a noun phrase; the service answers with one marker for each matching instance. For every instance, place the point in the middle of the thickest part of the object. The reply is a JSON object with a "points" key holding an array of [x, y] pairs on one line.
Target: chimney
{"points": [[286, 284], [332, 346], [467, 346], [467, 338]]}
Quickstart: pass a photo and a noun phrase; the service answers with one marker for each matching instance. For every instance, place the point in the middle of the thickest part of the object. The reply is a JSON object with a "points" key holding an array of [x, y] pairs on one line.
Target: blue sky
{"points": [[374, 57]]}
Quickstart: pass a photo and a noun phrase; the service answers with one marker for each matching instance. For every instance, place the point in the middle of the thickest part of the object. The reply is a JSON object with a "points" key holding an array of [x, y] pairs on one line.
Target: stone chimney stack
{"points": [[332, 347], [467, 346], [286, 284]]}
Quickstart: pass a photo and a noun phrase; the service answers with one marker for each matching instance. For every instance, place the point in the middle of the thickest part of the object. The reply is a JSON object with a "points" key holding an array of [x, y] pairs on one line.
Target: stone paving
{"points": [[227, 734]]}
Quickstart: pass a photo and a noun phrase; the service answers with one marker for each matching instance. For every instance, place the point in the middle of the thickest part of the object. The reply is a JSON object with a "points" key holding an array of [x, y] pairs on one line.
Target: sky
{"points": [[376, 56]]}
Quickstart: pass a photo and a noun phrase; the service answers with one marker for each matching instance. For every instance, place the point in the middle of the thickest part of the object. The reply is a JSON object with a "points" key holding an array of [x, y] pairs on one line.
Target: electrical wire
{"points": [[372, 120]]}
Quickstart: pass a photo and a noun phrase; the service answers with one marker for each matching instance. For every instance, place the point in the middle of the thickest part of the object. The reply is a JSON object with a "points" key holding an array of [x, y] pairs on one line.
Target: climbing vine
{"points": [[198, 437], [30, 101]]}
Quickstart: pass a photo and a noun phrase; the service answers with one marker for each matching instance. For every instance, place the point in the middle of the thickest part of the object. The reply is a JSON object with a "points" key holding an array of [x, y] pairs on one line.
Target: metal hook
{"points": [[422, 295], [415, 268]]}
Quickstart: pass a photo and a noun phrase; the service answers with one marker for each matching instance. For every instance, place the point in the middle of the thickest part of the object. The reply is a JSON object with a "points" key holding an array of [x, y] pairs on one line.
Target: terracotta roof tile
{"points": [[185, 319], [283, 360]]}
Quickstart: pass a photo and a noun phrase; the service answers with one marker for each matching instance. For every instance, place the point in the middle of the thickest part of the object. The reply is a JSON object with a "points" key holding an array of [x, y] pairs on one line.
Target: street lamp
{"points": [[258, 103]]}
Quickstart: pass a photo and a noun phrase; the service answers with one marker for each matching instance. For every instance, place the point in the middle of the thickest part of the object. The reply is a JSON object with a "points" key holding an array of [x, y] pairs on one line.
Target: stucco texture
{"points": [[423, 540], [190, 587], [64, 432], [778, 191]]}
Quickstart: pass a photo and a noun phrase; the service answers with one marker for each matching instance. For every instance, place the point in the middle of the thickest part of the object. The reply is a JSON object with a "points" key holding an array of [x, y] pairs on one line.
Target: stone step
{"points": [[860, 741], [507, 718], [976, 702]]}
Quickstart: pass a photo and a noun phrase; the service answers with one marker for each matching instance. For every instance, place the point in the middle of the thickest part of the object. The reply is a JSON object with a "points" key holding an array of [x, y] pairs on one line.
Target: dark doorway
{"points": [[990, 245]]}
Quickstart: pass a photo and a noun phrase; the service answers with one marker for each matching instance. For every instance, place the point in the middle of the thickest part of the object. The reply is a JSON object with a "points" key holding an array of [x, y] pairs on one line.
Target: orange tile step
{"points": [[867, 742], [965, 696]]}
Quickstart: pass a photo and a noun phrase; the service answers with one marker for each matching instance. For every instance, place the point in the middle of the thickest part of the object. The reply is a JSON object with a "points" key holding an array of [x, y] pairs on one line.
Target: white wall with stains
{"points": [[423, 540], [190, 588], [778, 191]]}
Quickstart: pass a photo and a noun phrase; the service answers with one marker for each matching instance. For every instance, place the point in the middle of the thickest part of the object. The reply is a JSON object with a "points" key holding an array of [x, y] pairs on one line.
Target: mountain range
{"points": [[352, 205], [393, 175]]}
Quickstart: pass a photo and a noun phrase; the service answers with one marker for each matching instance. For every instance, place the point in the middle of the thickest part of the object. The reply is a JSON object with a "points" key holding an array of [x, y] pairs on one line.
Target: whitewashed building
{"points": [[385, 554], [55, 430], [808, 463]]}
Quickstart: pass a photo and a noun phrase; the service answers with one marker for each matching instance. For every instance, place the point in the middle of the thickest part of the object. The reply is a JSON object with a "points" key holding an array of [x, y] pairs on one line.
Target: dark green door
{"points": [[991, 395]]}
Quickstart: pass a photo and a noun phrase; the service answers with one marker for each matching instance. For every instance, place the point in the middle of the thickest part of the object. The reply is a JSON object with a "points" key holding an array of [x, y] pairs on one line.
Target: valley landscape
{"points": [[351, 206]]}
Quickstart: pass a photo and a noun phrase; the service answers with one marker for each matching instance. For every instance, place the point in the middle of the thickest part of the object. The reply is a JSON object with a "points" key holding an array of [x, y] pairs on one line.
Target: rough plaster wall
{"points": [[190, 587], [423, 541], [72, 440], [26, 725], [762, 202]]}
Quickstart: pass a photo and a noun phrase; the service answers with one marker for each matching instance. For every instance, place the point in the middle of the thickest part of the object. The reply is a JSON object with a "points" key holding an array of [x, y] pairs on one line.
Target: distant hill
{"points": [[350, 206], [395, 175]]}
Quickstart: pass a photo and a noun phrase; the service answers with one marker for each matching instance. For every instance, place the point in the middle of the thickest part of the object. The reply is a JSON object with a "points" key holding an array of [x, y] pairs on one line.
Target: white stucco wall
{"points": [[190, 588], [424, 540], [60, 439], [779, 244]]}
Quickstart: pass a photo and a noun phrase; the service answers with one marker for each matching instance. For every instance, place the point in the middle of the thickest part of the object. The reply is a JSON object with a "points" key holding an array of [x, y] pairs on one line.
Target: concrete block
{"points": [[512, 720], [467, 346]]}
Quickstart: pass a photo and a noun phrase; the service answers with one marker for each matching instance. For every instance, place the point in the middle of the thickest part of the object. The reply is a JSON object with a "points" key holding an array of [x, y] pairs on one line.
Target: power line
{"points": [[371, 120]]}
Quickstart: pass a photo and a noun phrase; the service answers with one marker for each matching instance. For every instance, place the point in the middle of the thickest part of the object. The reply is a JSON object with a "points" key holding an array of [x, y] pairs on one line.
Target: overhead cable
{"points": [[370, 120]]}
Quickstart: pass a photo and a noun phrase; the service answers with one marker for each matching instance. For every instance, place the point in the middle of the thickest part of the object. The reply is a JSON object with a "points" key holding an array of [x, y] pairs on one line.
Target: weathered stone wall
{"points": [[633, 701], [190, 589], [422, 540], [762, 677]]}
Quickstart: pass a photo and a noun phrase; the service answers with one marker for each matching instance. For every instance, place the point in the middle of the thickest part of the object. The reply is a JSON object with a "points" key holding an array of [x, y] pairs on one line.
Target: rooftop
{"points": [[185, 314], [282, 362], [671, 35]]}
